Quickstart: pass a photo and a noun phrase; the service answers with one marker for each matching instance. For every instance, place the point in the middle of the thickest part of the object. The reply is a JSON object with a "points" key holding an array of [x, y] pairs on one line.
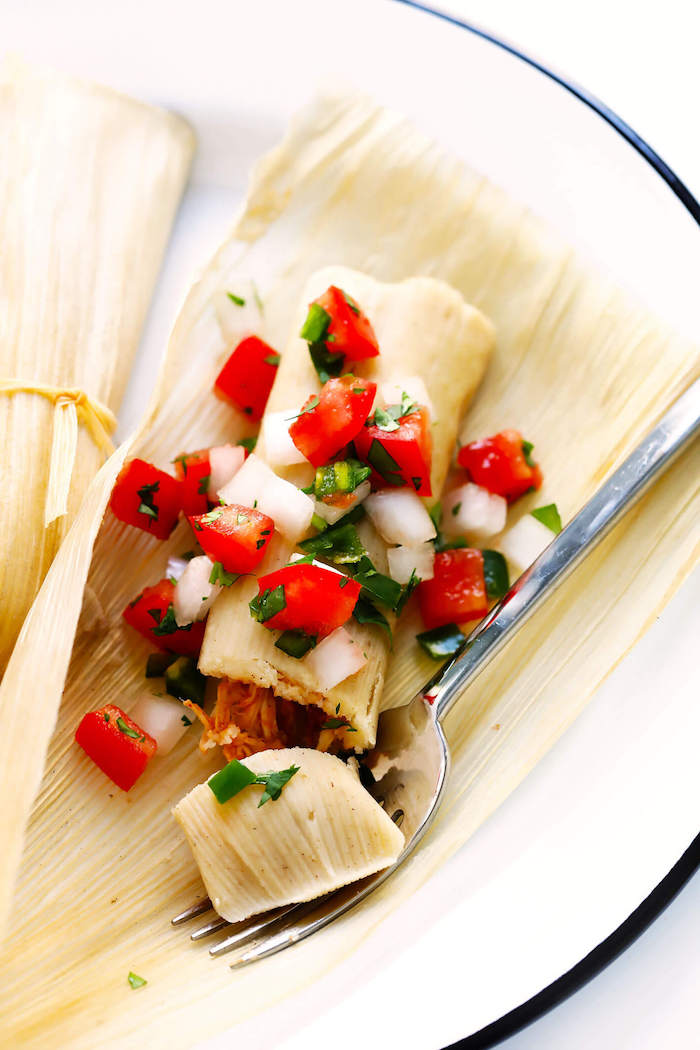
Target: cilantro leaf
{"points": [[147, 505], [218, 575], [266, 605], [236, 299]]}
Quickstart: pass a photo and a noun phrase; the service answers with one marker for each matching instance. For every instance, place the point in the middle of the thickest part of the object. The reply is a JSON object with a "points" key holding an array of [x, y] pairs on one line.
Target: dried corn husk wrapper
{"points": [[89, 184], [579, 369]]}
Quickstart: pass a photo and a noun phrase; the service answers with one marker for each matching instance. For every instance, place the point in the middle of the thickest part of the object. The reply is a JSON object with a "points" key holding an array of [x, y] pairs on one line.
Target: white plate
{"points": [[610, 810]]}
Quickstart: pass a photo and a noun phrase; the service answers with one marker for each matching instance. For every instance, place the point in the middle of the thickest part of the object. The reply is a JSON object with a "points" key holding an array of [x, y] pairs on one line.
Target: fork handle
{"points": [[655, 453]]}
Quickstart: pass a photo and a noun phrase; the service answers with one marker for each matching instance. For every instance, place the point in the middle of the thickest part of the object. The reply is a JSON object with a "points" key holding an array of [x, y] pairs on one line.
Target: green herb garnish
{"points": [[183, 460], [441, 641], [135, 981], [272, 359], [236, 299], [128, 731], [203, 486], [168, 624], [211, 516], [296, 643], [266, 605], [327, 364], [376, 586], [408, 590], [235, 776], [351, 303], [339, 723], [221, 577], [527, 448], [313, 403], [384, 464], [384, 421], [147, 505], [340, 544], [495, 574], [549, 516], [248, 443], [366, 612]]}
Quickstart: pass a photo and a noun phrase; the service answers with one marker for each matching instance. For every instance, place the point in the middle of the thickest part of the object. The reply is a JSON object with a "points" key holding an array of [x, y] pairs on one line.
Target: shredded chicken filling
{"points": [[248, 718]]}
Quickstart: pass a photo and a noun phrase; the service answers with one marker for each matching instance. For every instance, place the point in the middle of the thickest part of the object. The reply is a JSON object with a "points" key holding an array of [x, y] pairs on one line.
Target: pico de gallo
{"points": [[370, 456]]}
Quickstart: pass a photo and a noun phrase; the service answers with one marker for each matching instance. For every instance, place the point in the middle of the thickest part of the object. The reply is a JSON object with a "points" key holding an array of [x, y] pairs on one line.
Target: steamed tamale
{"points": [[424, 328], [89, 184]]}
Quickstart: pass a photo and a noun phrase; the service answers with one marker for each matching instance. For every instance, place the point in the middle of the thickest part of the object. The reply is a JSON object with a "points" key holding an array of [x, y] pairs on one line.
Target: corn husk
{"points": [[579, 369], [89, 184], [423, 327]]}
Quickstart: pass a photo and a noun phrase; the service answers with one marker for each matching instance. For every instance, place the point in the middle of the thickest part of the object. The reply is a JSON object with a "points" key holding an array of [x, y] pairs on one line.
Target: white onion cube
{"points": [[162, 719], [391, 392], [473, 511], [335, 659], [194, 595], [280, 450], [524, 542], [399, 516], [256, 485], [404, 561], [224, 462]]}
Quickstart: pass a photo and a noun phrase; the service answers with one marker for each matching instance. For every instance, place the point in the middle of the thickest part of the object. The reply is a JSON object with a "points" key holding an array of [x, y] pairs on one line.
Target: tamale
{"points": [[424, 328], [580, 369], [89, 184]]}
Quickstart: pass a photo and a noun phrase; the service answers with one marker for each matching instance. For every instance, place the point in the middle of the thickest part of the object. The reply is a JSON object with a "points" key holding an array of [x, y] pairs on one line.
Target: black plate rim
{"points": [[682, 871]]}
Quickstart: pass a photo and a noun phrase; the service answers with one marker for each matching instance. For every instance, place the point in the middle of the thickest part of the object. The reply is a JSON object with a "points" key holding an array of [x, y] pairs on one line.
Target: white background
{"points": [[641, 60]]}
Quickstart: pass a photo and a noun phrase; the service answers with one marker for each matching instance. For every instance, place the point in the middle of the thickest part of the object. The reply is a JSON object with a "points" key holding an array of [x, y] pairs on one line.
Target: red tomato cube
{"points": [[247, 377], [146, 497], [457, 591], [305, 597], [152, 615], [500, 464], [399, 457], [116, 744], [349, 331], [234, 535], [332, 418], [193, 470]]}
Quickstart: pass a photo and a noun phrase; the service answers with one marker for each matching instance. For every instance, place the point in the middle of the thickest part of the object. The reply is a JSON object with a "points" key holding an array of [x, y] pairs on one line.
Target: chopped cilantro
{"points": [[340, 544], [203, 486], [296, 643], [366, 612], [147, 505], [339, 723], [527, 448], [236, 299], [135, 981], [266, 605], [313, 403], [549, 516], [128, 731], [384, 464], [326, 363], [168, 624], [407, 592], [248, 443], [272, 359], [384, 421], [351, 303], [235, 777], [221, 577]]}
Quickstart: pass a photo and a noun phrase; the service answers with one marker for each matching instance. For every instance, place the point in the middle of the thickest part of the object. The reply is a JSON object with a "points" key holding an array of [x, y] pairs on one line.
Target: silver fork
{"points": [[410, 762]]}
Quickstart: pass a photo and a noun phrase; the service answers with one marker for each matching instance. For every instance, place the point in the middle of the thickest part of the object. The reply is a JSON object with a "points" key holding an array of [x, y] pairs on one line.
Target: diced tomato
{"points": [[193, 470], [329, 420], [316, 600], [349, 331], [146, 497], [399, 457], [247, 377], [457, 591], [152, 614], [116, 744], [500, 464], [236, 536]]}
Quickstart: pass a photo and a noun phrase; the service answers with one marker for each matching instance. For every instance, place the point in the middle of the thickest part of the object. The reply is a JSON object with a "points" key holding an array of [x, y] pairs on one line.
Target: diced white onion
{"points": [[404, 560], [332, 514], [524, 542], [400, 517], [473, 511], [280, 450], [335, 659], [194, 594], [236, 322], [224, 462], [392, 392], [176, 567], [289, 507], [162, 719]]}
